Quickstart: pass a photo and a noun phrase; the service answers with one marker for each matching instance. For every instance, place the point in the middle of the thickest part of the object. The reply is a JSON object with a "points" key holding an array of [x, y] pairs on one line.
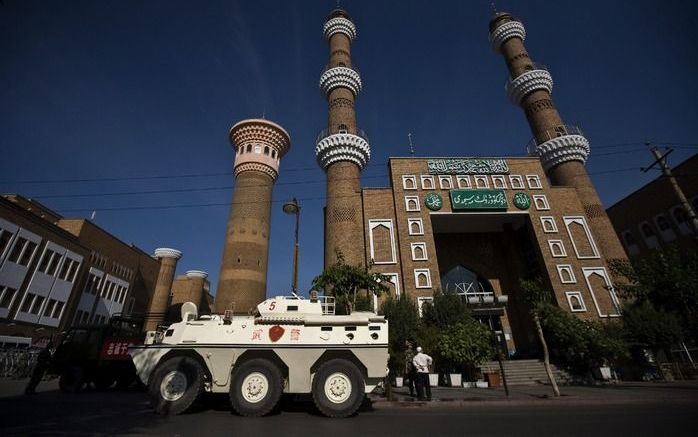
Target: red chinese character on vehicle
{"points": [[110, 349], [257, 334]]}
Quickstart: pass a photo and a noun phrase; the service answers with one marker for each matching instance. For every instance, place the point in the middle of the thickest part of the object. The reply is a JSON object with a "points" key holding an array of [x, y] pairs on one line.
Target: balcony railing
{"points": [[557, 131], [340, 129], [327, 67]]}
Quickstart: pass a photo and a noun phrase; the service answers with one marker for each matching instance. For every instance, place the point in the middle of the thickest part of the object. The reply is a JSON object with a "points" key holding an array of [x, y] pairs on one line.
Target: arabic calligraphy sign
{"points": [[478, 199], [468, 166]]}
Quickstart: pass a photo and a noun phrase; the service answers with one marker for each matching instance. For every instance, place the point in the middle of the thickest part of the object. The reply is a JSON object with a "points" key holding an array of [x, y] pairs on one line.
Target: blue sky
{"points": [[124, 95]]}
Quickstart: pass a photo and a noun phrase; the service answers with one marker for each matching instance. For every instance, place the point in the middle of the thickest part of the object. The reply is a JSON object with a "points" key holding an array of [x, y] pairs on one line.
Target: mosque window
{"points": [[421, 302], [481, 182], [533, 182], [266, 150], [422, 278], [249, 148], [679, 215], [412, 203], [557, 249], [257, 148], [445, 182], [342, 128], [575, 301], [427, 182], [516, 182], [465, 282], [463, 181], [382, 241], [566, 274], [664, 227], [419, 251], [580, 235], [499, 182], [273, 153], [409, 182], [541, 202], [548, 223], [416, 227]]}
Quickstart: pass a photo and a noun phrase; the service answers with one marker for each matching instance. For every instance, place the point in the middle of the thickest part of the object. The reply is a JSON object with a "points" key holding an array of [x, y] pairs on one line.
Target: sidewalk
{"points": [[616, 394]]}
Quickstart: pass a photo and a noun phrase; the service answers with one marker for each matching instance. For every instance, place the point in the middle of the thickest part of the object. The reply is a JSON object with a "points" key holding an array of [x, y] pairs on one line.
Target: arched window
{"points": [[647, 230], [273, 153], [461, 280], [266, 150], [663, 223], [342, 128], [249, 148]]}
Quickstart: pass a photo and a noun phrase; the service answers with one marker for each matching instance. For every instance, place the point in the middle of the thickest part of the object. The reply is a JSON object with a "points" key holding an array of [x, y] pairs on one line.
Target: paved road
{"points": [[127, 412]]}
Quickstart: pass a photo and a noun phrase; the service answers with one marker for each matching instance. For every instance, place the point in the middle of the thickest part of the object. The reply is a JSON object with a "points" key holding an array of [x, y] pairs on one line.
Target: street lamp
{"points": [[292, 207]]}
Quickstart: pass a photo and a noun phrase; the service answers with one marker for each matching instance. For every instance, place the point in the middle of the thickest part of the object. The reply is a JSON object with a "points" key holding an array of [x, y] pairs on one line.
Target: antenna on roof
{"points": [[93, 215], [409, 138], [264, 114]]}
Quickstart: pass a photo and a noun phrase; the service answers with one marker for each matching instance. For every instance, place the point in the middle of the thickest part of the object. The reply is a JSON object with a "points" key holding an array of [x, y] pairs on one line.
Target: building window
{"points": [[647, 230], [422, 278], [266, 150], [445, 182], [681, 219], [557, 249], [548, 223], [533, 182], [602, 292], [381, 241], [45, 259], [412, 203], [580, 235], [499, 182], [541, 202], [427, 182], [273, 153], [249, 148], [5, 238], [516, 182], [421, 301], [664, 227], [649, 235], [49, 307], [415, 226], [482, 182], [463, 182], [409, 182], [36, 306], [393, 284], [566, 274], [7, 297], [575, 301], [419, 251], [58, 310]]}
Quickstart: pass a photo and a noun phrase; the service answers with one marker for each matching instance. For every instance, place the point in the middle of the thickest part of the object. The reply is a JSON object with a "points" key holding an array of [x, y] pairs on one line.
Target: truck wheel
{"points": [[72, 379], [338, 388], [256, 387], [176, 385]]}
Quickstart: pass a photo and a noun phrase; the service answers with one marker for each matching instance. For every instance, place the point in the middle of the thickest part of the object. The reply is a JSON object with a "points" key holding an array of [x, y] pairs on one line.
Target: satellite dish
{"points": [[189, 311]]}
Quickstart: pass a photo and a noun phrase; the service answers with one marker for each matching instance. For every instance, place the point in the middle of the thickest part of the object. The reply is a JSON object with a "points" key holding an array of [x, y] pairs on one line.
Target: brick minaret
{"points": [[163, 287], [196, 290], [342, 149], [562, 149], [259, 146]]}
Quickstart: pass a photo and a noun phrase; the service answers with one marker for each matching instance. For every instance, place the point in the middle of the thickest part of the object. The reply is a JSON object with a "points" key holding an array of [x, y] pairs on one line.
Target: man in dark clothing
{"points": [[42, 363], [410, 370]]}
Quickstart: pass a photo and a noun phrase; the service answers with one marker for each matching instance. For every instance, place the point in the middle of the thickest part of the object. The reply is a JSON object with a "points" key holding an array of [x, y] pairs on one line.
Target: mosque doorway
{"points": [[483, 256]]}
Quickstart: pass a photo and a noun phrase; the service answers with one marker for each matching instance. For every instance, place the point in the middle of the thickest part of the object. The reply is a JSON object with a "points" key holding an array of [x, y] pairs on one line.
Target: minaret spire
{"points": [[342, 149], [562, 149]]}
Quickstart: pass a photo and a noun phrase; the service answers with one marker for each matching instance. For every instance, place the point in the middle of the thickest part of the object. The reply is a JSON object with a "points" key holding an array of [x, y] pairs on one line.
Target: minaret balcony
{"points": [[558, 145], [339, 145], [340, 77], [339, 25], [538, 78], [508, 30]]}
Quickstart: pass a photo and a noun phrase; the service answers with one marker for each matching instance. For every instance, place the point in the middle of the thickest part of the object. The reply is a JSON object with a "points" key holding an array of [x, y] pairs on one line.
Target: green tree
{"points": [[466, 342], [403, 318], [668, 280], [345, 281], [538, 299], [651, 328], [446, 309]]}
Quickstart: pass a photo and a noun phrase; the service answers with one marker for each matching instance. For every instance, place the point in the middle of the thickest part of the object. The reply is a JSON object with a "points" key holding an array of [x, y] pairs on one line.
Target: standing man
{"points": [[423, 363], [42, 363], [410, 370]]}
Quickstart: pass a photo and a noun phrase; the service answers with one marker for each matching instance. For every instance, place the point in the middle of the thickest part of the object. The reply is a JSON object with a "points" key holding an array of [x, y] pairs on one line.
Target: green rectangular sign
{"points": [[478, 199], [467, 166]]}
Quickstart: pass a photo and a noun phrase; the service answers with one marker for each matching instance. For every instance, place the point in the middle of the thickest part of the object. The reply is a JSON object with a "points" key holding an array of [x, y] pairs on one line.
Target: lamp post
{"points": [[292, 207]]}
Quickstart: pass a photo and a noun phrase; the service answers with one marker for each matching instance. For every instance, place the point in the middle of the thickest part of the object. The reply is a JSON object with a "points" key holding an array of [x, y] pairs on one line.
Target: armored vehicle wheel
{"points": [[338, 388], [72, 379], [256, 387], [176, 385]]}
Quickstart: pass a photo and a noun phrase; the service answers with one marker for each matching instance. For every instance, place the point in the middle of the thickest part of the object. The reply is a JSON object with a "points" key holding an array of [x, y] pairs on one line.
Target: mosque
{"points": [[469, 225]]}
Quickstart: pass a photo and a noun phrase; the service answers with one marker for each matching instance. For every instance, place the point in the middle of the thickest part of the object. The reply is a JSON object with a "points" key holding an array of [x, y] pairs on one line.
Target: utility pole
{"points": [[666, 171]]}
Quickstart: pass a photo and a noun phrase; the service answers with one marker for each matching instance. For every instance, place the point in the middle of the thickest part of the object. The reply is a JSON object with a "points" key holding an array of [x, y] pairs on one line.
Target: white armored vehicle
{"points": [[290, 345]]}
